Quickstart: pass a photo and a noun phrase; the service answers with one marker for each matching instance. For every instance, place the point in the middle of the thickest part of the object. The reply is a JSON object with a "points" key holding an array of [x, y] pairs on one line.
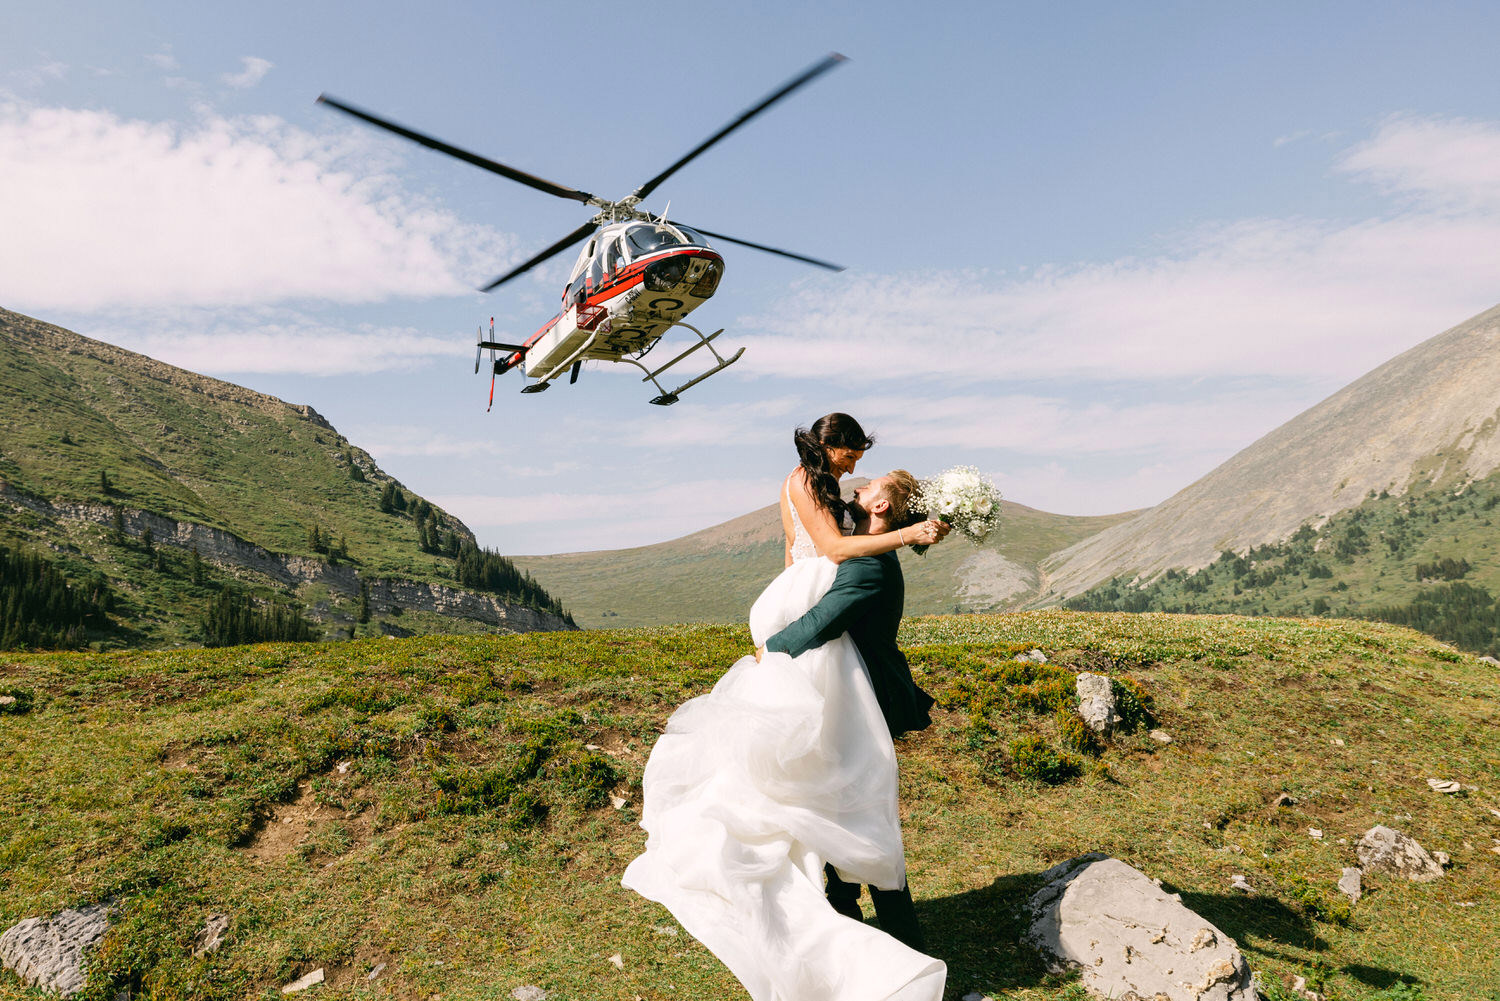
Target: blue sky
{"points": [[1094, 249]]}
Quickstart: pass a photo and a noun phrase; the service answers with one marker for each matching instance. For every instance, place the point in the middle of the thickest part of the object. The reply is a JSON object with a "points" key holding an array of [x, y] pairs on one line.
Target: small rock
{"points": [[1033, 656], [343, 767], [50, 952], [618, 802], [1442, 859], [303, 983], [379, 968], [592, 747], [1161, 736], [664, 930], [1495, 849], [529, 992], [1315, 834], [1466, 903], [1349, 884], [1336, 742], [976, 996], [211, 935], [1495, 811], [1489, 660], [1386, 850], [618, 960], [7, 700], [1284, 800], [1239, 883], [1299, 986], [1446, 786], [1096, 702]]}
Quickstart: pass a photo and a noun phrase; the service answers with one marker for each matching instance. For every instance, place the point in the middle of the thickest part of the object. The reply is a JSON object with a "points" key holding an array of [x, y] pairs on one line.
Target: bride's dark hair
{"points": [[828, 431]]}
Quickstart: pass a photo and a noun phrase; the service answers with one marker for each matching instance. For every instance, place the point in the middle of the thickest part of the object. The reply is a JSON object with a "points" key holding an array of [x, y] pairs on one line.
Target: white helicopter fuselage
{"points": [[632, 282]]}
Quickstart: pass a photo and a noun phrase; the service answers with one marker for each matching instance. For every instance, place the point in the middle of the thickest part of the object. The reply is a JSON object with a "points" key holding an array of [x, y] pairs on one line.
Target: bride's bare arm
{"points": [[830, 541]]}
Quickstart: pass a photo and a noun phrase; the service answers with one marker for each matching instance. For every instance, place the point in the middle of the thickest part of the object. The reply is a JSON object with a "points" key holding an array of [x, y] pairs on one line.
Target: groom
{"points": [[866, 602]]}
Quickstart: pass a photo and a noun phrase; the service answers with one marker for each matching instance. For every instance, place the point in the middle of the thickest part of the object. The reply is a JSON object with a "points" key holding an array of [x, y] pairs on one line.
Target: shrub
{"points": [[1077, 735], [1032, 758]]}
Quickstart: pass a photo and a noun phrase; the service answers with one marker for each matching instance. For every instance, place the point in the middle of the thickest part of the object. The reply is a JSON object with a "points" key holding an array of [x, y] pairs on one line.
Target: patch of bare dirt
{"points": [[292, 825]]}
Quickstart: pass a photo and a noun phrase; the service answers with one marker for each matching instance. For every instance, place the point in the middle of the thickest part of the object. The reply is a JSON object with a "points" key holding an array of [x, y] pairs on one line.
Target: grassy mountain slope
{"points": [[1428, 416], [714, 575], [442, 805], [86, 428], [1388, 554]]}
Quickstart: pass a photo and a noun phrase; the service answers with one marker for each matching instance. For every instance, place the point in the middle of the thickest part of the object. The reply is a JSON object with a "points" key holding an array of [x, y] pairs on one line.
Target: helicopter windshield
{"points": [[645, 239], [691, 236]]}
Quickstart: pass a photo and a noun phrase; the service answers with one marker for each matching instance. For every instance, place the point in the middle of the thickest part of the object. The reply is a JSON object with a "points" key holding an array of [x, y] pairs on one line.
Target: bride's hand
{"points": [[926, 533]]}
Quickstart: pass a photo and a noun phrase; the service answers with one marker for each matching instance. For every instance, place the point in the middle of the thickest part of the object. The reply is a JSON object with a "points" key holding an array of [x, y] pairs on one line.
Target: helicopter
{"points": [[636, 278]]}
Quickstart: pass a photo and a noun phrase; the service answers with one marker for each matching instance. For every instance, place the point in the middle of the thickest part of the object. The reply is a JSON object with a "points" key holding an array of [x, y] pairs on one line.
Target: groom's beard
{"points": [[857, 512]]}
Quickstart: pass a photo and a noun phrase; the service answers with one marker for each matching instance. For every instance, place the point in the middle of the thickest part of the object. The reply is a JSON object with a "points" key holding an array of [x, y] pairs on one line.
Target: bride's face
{"points": [[841, 460]]}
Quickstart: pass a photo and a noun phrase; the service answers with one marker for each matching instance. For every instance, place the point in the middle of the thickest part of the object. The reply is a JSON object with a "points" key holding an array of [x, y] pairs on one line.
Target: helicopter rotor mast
{"points": [[609, 211]]}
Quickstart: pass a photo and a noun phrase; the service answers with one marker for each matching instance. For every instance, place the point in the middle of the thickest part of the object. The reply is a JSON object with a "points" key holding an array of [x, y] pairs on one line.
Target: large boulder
{"points": [[1131, 938], [1383, 849], [49, 952]]}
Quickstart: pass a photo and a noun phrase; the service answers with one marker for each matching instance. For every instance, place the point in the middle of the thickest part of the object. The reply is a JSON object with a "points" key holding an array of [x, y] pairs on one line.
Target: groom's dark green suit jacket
{"points": [[866, 601]]}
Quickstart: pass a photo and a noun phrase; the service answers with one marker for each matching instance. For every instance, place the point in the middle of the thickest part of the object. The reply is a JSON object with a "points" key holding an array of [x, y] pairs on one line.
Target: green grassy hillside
{"points": [[714, 575], [1430, 558], [87, 430], [443, 806]]}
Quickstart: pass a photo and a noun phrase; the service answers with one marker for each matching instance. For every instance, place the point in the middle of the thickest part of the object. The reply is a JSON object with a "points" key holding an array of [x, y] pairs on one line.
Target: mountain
{"points": [[176, 487], [714, 575], [1428, 419]]}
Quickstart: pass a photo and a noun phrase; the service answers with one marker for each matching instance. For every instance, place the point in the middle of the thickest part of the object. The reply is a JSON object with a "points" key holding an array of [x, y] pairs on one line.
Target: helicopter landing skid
{"points": [[667, 398]]}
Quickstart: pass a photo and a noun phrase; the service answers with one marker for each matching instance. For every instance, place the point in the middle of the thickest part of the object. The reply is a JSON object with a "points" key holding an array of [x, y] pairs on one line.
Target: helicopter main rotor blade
{"points": [[530, 180], [770, 250], [823, 66], [556, 248]]}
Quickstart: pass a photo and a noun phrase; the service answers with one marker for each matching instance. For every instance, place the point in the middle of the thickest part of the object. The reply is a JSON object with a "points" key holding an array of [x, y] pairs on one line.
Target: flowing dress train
{"points": [[784, 765]]}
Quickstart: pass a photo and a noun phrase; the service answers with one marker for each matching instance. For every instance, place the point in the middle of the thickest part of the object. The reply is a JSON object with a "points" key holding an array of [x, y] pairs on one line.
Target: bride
{"points": [[785, 766]]}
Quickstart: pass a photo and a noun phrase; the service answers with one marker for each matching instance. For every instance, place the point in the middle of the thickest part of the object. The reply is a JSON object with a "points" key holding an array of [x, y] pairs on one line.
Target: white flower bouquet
{"points": [[964, 498]]}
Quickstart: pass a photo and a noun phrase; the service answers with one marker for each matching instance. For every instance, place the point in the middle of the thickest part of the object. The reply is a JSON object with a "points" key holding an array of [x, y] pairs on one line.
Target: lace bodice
{"points": [[802, 543]]}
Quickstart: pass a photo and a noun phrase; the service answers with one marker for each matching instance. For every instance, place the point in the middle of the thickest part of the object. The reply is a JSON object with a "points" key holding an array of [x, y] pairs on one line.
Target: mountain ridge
{"points": [[1427, 414], [113, 460]]}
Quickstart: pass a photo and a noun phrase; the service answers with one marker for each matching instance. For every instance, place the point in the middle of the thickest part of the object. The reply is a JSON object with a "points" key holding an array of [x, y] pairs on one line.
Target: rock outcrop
{"points": [[49, 953], [229, 551], [1130, 937]]}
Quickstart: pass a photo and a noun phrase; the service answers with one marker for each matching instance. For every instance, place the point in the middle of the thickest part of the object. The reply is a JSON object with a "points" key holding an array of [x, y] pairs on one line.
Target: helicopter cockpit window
{"points": [[645, 239], [614, 256], [692, 236]]}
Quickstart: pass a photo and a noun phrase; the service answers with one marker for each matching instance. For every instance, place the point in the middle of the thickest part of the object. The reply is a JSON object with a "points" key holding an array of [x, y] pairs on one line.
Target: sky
{"points": [[1094, 249]]}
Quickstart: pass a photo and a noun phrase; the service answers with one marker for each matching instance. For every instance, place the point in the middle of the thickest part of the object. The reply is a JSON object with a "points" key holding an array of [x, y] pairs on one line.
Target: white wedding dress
{"points": [[783, 766]]}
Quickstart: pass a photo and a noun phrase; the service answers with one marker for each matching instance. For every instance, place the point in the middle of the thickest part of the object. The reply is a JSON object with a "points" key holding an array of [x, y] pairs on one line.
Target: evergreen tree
{"points": [[388, 497], [195, 565], [148, 540], [39, 609], [104, 485], [117, 523], [234, 618]]}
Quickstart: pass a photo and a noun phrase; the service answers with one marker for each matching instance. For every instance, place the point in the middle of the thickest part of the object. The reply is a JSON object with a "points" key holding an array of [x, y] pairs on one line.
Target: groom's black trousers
{"points": [[893, 908]]}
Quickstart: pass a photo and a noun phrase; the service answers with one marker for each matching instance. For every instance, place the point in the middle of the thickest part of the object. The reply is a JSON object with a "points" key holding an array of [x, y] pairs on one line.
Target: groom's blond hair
{"points": [[900, 492]]}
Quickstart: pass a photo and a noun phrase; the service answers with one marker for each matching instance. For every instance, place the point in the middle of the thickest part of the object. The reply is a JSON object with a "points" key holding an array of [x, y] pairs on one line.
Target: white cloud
{"points": [[101, 211], [1220, 422], [296, 346], [546, 522], [1451, 162], [254, 70], [38, 76], [1262, 297], [162, 59]]}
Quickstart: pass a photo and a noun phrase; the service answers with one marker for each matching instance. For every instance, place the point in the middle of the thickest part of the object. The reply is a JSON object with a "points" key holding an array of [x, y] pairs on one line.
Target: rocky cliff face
{"points": [[1429, 415], [231, 553]]}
